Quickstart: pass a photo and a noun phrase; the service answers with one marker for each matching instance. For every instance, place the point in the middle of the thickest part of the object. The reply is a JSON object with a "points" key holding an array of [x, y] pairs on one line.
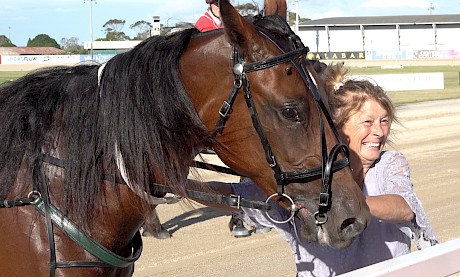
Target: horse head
{"points": [[286, 143]]}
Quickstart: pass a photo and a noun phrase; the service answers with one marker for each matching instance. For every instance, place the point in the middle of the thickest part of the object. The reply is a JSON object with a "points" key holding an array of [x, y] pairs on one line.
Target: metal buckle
{"points": [[234, 201], [224, 109], [324, 199]]}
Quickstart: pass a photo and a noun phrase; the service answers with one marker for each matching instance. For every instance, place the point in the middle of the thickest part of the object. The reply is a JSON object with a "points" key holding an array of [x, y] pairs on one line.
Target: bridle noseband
{"points": [[328, 165]]}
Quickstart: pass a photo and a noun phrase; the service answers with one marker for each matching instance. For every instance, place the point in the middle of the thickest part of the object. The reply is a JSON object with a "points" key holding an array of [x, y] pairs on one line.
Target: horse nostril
{"points": [[347, 222]]}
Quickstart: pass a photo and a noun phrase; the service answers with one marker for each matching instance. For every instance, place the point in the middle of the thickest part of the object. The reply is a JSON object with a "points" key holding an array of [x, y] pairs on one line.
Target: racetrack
{"points": [[203, 246]]}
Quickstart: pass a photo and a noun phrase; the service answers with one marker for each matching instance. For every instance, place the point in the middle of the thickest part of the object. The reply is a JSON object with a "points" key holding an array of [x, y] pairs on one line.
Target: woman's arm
{"points": [[390, 207], [393, 177]]}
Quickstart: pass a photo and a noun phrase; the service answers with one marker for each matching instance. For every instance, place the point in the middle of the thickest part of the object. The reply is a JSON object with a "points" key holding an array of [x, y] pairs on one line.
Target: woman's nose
{"points": [[377, 129]]}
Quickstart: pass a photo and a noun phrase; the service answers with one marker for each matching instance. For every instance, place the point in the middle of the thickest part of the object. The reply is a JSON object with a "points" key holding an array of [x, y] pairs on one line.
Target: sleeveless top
{"points": [[380, 241]]}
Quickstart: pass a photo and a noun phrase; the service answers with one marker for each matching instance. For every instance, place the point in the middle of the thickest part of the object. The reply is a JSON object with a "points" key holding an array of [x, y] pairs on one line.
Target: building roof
{"points": [[384, 20], [30, 51], [111, 44]]}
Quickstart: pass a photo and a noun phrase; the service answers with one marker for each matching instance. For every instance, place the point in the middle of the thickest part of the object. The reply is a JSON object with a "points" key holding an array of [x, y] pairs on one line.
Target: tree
{"points": [[248, 9], [42, 40], [143, 29], [113, 29], [71, 46], [292, 19], [5, 42]]}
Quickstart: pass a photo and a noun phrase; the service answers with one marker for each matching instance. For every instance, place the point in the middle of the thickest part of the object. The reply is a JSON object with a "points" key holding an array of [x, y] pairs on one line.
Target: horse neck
{"points": [[120, 218], [210, 56]]}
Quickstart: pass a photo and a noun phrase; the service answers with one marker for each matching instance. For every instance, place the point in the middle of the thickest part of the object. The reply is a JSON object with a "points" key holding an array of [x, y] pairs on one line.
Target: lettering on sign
{"points": [[359, 55]]}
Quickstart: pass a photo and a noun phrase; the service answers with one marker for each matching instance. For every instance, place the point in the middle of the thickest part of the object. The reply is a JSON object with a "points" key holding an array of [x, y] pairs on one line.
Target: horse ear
{"points": [[272, 7], [240, 32]]}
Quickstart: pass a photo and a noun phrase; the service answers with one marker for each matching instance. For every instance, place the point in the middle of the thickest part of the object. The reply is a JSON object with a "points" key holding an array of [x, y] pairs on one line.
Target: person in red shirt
{"points": [[211, 18]]}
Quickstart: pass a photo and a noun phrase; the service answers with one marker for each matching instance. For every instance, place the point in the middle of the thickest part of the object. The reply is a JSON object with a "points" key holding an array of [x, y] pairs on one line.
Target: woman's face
{"points": [[215, 10], [366, 131]]}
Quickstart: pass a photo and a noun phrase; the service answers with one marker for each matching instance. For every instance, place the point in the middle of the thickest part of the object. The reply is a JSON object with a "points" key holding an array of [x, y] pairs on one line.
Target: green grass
{"points": [[10, 75], [451, 82]]}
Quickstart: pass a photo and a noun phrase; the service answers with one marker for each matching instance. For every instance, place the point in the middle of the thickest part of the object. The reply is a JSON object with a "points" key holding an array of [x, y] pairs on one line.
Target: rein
{"points": [[328, 165]]}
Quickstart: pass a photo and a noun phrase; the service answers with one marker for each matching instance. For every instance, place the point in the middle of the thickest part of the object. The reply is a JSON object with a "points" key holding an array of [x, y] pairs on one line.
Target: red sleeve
{"points": [[204, 24]]}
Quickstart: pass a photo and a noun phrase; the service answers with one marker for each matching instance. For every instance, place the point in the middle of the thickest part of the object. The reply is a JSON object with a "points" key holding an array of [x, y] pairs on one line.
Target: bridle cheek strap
{"points": [[328, 165]]}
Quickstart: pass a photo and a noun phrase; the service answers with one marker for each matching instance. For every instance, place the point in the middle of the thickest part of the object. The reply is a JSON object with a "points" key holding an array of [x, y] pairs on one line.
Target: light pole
{"points": [[91, 26], [9, 33], [297, 17]]}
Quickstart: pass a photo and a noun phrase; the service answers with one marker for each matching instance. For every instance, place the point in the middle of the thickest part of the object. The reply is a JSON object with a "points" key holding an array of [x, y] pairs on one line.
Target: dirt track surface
{"points": [[201, 244]]}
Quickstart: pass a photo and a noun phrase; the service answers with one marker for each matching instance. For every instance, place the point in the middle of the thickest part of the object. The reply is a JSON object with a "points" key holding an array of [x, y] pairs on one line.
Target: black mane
{"points": [[139, 107]]}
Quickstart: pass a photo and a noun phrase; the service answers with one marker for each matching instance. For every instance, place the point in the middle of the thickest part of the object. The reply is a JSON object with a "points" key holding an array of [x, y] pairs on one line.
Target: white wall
{"points": [[417, 38], [381, 38], [378, 39], [346, 40], [448, 38]]}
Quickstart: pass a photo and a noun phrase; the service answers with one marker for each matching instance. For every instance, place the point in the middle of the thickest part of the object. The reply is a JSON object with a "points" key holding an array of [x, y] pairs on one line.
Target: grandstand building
{"points": [[409, 36]]}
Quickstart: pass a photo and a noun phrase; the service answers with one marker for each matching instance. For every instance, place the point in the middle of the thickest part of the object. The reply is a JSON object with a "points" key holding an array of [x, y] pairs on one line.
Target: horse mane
{"points": [[153, 122], [138, 109]]}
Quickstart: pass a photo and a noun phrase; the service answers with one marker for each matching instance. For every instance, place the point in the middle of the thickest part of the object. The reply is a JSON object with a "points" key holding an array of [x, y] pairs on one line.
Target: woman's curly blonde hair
{"points": [[346, 96]]}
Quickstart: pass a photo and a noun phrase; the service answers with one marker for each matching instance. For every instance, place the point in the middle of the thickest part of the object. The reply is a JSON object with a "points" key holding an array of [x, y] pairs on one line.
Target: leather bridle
{"points": [[328, 165]]}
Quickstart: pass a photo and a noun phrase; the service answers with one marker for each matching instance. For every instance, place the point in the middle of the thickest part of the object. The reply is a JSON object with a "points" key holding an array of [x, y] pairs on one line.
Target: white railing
{"points": [[440, 260]]}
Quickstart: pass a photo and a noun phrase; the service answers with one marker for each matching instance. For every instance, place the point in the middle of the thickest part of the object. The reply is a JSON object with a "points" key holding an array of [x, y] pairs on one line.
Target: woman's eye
{"points": [[367, 122], [290, 113]]}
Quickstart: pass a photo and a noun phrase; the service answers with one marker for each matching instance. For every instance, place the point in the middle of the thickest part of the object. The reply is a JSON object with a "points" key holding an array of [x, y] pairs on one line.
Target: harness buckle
{"points": [[323, 199], [234, 201], [225, 109]]}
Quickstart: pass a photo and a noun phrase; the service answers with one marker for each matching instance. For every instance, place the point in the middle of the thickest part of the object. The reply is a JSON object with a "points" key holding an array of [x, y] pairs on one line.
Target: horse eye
{"points": [[290, 113]]}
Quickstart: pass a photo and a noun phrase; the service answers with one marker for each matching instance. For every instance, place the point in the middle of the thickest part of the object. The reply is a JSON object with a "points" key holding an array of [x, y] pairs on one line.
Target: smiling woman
{"points": [[364, 114]]}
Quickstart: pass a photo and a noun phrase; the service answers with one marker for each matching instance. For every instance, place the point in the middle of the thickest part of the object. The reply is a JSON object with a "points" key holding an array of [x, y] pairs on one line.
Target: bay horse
{"points": [[82, 145]]}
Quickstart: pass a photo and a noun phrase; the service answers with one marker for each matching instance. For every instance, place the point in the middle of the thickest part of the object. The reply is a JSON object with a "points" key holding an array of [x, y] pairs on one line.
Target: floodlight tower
{"points": [[296, 14], [431, 8], [91, 26], [297, 17]]}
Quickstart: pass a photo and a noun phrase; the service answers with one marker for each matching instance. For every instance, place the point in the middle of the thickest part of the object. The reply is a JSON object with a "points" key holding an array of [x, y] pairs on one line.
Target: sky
{"points": [[24, 19]]}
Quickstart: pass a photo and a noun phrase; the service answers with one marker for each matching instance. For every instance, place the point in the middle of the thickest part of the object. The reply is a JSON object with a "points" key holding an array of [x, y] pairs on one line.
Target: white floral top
{"points": [[380, 241]]}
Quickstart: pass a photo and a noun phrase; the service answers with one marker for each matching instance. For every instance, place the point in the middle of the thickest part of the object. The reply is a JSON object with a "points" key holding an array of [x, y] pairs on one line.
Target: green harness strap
{"points": [[90, 245]]}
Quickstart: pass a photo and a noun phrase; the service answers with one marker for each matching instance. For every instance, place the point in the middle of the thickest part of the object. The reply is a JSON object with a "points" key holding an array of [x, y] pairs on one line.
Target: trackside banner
{"points": [[41, 59], [358, 55], [53, 59]]}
